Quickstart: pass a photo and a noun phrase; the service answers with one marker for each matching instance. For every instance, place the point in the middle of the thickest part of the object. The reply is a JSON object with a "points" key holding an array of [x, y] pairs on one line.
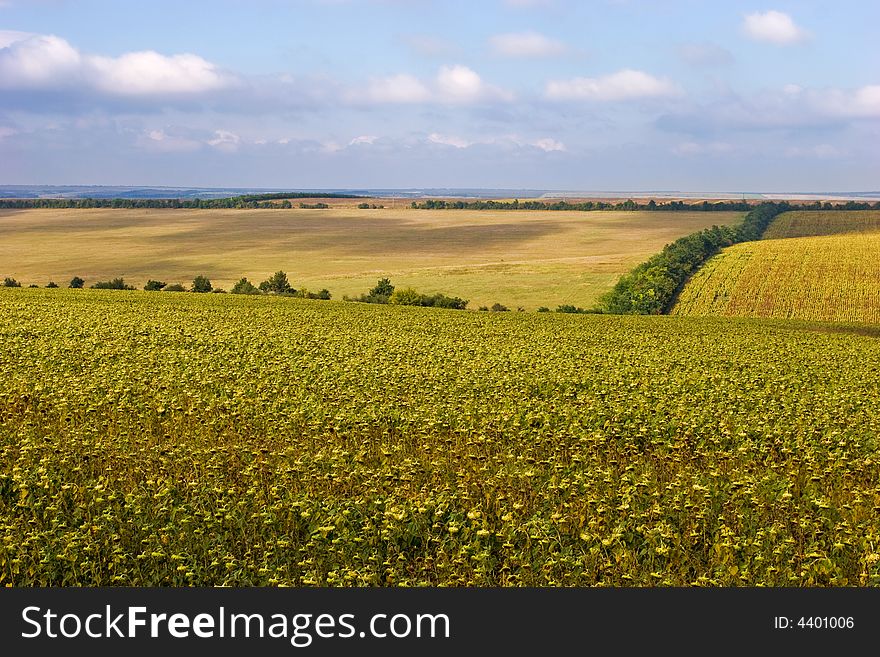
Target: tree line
{"points": [[629, 204], [277, 284], [247, 202], [651, 288]]}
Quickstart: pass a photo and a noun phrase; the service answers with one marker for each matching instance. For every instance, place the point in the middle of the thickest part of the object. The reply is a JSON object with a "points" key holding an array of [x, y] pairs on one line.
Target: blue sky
{"points": [[687, 95]]}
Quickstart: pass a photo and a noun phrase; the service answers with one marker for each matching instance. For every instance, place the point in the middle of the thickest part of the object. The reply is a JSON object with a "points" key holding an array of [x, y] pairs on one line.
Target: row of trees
{"points": [[249, 202], [385, 292], [629, 204], [651, 288], [277, 284]]}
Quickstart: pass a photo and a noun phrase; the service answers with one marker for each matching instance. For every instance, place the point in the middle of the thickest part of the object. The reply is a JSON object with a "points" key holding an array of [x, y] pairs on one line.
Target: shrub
{"points": [[52, 284], [32, 285], [483, 308], [244, 286], [176, 287], [76, 283], [406, 297], [115, 284], [543, 309], [154, 286], [201, 284], [10, 282], [499, 308]]}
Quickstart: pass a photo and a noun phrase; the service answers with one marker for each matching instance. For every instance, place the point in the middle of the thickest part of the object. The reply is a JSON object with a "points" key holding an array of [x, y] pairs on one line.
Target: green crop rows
{"points": [[210, 439]]}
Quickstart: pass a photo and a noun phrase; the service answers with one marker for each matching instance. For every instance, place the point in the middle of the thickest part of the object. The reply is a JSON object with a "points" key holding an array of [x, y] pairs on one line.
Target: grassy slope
{"points": [[834, 276], [206, 439], [517, 258]]}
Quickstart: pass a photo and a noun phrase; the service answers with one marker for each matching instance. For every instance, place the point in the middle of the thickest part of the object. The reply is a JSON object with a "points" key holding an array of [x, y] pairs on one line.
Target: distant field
{"points": [[834, 277], [806, 224], [517, 258]]}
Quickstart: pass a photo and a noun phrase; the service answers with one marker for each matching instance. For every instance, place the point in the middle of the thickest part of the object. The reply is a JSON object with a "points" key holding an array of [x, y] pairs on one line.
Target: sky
{"points": [[615, 95]]}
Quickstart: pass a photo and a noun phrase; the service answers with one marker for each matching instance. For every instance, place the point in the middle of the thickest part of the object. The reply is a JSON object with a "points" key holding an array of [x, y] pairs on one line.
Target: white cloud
{"points": [[35, 61], [548, 145], [148, 72], [224, 140], [363, 139], [627, 84], [863, 102], [459, 83], [401, 88], [773, 27], [526, 44], [7, 132], [452, 85], [449, 140]]}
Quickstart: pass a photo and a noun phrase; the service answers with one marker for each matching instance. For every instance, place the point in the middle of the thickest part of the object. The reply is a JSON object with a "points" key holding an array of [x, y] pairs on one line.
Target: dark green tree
{"points": [[154, 286], [244, 286], [201, 284], [76, 283], [277, 284]]}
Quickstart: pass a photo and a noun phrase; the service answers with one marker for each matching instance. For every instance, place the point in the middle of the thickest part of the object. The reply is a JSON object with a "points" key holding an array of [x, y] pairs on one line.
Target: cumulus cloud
{"points": [[773, 27], [224, 140], [627, 84], [401, 88], [526, 44], [452, 85], [787, 108], [50, 63]]}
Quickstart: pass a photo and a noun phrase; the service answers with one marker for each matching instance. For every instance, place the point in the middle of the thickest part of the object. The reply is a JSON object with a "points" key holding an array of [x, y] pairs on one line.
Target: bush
{"points": [[543, 309], [154, 286], [32, 285], [10, 282], [406, 297], [568, 308], [176, 287], [483, 309], [201, 284], [244, 286], [115, 284], [218, 290], [76, 283], [51, 284], [499, 308]]}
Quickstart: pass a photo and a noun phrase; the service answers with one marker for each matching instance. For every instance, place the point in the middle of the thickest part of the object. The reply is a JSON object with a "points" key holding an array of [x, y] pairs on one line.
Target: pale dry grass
{"points": [[519, 258]]}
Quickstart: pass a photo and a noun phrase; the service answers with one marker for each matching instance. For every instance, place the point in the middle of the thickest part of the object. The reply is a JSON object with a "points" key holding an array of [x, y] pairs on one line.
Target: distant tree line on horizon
{"points": [[246, 202], [629, 205]]}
